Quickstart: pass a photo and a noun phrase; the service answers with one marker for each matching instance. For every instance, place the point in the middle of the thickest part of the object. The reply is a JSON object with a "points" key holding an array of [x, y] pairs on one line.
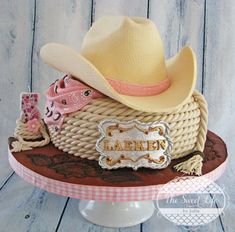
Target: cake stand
{"points": [[117, 198]]}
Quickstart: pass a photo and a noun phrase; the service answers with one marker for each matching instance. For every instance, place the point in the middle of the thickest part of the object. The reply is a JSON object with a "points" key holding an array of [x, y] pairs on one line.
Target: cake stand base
{"points": [[117, 200], [116, 214]]}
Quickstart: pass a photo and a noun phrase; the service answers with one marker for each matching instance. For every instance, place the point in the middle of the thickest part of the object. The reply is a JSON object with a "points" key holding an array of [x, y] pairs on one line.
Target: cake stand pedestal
{"points": [[117, 198], [116, 214]]}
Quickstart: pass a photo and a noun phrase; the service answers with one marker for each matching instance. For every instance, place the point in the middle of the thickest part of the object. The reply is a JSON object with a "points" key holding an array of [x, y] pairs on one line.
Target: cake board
{"points": [[111, 198]]}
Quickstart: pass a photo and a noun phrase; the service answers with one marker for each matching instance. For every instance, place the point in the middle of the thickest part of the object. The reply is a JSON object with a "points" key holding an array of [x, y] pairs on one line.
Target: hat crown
{"points": [[128, 49]]}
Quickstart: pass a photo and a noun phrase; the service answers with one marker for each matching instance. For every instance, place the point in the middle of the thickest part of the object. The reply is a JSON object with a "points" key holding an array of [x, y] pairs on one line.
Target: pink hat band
{"points": [[139, 90]]}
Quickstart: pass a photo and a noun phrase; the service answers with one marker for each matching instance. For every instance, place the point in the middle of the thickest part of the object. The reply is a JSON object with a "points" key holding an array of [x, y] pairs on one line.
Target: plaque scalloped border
{"points": [[146, 160]]}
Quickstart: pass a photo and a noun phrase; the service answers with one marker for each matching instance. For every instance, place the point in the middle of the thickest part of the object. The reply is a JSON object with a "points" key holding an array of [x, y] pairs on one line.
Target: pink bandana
{"points": [[66, 96]]}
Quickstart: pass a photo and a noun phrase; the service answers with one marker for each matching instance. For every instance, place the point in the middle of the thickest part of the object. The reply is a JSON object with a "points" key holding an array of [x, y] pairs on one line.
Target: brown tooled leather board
{"points": [[55, 164]]}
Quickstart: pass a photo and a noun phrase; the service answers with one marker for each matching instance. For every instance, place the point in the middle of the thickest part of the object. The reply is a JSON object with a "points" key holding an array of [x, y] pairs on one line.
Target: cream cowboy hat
{"points": [[123, 58]]}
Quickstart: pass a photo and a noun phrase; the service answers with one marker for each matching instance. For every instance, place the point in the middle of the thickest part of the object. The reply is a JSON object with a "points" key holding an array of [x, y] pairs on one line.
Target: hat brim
{"points": [[181, 69]]}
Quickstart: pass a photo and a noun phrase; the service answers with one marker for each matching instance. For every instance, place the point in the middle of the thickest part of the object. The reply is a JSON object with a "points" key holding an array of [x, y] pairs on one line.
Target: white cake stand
{"points": [[116, 214]]}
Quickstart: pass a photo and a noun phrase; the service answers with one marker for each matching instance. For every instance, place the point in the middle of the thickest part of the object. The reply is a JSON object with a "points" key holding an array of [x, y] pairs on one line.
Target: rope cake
{"points": [[79, 132], [120, 81]]}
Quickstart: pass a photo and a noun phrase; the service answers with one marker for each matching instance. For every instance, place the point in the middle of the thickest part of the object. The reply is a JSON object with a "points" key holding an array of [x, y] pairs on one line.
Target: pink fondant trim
{"points": [[101, 193], [139, 90]]}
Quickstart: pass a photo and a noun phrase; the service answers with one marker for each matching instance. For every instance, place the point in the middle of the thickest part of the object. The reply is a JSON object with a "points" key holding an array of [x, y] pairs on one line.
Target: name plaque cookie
{"points": [[134, 144]]}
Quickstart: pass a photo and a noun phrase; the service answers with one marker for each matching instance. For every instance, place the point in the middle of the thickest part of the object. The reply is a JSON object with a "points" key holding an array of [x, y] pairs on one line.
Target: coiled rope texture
{"points": [[27, 140], [79, 132]]}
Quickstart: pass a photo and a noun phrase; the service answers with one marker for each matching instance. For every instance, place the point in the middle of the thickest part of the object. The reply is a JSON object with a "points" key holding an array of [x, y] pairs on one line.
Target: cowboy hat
{"points": [[123, 58]]}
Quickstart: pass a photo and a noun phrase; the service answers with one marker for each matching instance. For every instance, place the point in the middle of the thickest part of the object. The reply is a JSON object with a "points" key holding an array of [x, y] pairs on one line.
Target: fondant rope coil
{"points": [[79, 133], [27, 140]]}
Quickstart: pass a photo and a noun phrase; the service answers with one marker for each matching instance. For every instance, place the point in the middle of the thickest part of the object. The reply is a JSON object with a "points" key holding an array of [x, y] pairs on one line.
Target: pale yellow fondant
{"points": [[127, 49]]}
